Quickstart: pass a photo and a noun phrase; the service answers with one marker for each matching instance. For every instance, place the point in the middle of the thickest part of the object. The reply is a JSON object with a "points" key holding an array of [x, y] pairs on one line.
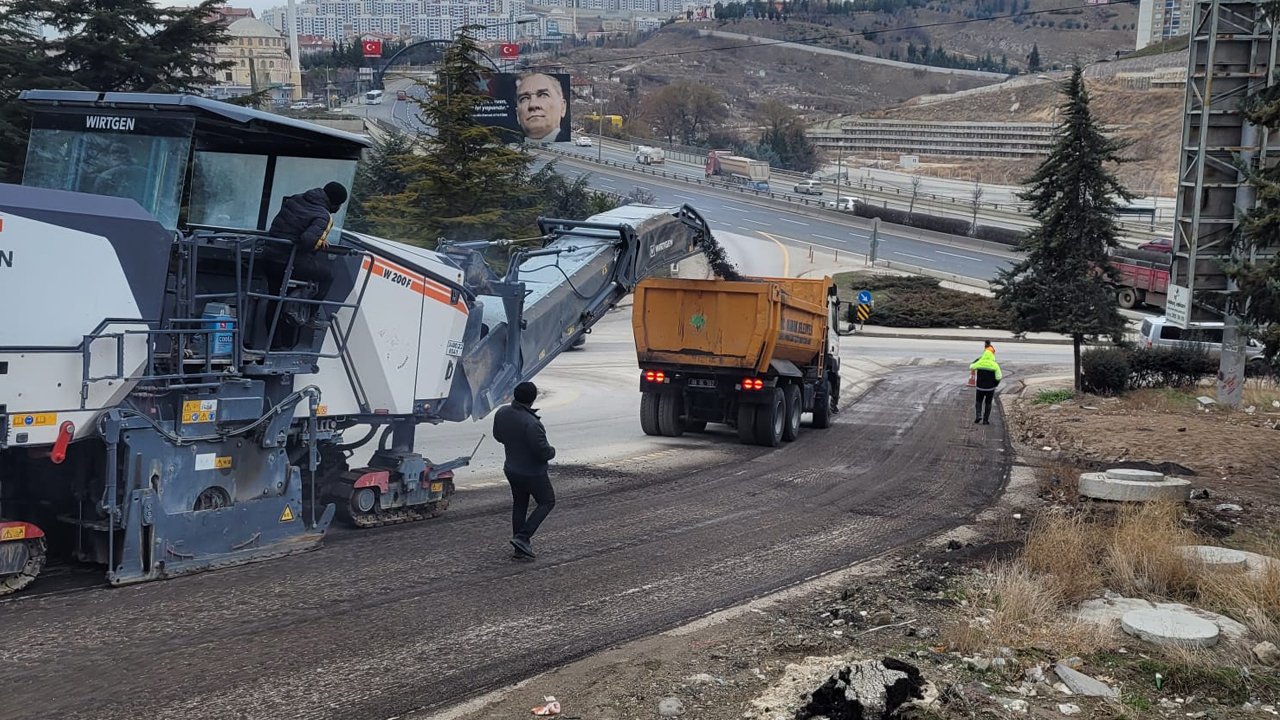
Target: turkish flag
{"points": [[509, 50], [373, 48]]}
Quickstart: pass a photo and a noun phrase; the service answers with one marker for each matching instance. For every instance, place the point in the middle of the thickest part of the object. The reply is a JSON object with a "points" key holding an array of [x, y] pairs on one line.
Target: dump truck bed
{"points": [[740, 325]]}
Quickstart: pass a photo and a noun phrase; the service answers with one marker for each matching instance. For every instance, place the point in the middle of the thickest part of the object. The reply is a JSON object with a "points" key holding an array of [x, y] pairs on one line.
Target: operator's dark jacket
{"points": [[304, 219], [518, 428]]}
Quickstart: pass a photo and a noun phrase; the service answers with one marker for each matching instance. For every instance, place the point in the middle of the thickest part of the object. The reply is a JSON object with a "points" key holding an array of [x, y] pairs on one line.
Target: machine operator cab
{"points": [[214, 175]]}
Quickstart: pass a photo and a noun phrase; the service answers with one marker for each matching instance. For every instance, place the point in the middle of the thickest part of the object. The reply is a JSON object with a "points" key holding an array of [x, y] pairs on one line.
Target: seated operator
{"points": [[306, 219]]}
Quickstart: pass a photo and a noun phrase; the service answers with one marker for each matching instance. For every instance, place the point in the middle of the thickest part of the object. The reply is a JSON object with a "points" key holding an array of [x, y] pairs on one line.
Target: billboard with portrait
{"points": [[532, 106]]}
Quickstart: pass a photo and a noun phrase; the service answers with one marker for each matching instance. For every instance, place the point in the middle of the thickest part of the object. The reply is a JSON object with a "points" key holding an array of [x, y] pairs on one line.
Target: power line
{"points": [[861, 33]]}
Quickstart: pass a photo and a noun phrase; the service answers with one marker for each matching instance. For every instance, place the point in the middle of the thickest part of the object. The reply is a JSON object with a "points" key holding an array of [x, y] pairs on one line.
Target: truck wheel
{"points": [[771, 418], [669, 421], [649, 413], [1128, 298], [794, 407], [822, 406], [747, 424]]}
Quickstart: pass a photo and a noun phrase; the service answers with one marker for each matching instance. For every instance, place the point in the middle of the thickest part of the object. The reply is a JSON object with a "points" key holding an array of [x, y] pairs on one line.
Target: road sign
{"points": [[509, 50], [1177, 306], [372, 48], [864, 297], [864, 312]]}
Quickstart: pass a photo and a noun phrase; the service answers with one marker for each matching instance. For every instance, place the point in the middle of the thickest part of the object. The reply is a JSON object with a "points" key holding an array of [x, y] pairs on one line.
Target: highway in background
{"points": [[730, 211], [798, 230]]}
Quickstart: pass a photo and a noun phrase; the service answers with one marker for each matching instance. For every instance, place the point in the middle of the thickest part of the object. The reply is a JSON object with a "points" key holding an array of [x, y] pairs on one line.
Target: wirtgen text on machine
{"points": [[110, 122]]}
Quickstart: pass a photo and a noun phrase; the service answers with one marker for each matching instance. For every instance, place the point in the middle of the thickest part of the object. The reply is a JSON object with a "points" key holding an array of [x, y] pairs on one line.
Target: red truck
{"points": [[1142, 280]]}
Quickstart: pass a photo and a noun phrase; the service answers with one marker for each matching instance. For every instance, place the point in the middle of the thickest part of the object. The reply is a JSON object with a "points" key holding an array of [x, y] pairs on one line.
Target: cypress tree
{"points": [[1064, 283]]}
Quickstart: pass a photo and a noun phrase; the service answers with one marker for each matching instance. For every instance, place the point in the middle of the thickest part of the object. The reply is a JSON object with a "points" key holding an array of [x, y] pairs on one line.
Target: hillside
{"points": [[1150, 119], [824, 85], [1063, 36]]}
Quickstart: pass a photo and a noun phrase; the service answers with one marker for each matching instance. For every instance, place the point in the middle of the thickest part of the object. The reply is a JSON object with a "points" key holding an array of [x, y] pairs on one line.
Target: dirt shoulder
{"points": [[932, 605]]}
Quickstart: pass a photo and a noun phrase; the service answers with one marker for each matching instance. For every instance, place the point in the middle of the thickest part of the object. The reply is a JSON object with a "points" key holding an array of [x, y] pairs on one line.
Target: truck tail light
{"points": [[655, 376], [752, 384]]}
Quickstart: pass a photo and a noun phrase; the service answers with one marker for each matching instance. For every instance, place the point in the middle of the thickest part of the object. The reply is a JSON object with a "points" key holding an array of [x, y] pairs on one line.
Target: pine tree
{"points": [[464, 183], [1064, 283], [1257, 300], [1033, 60], [381, 172], [100, 45], [133, 45]]}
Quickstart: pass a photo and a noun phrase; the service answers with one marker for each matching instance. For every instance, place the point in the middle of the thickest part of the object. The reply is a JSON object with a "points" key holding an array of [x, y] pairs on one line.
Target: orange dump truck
{"points": [[754, 354]]}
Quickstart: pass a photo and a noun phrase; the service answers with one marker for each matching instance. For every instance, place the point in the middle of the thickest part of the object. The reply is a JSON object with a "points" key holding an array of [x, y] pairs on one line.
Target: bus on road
{"points": [[373, 97]]}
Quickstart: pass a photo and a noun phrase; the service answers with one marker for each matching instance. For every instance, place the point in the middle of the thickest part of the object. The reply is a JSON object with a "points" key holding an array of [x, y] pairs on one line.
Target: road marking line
{"points": [[731, 207], [917, 257], [965, 257], [827, 237], [786, 254], [746, 229], [794, 222], [755, 221]]}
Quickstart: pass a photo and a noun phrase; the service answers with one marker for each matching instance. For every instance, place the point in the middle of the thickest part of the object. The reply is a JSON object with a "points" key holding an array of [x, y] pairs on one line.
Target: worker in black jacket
{"points": [[519, 429], [988, 377], [306, 219]]}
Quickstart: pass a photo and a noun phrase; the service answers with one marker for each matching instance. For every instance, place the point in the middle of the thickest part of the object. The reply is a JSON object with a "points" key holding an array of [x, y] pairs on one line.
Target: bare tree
{"points": [[915, 192], [977, 200]]}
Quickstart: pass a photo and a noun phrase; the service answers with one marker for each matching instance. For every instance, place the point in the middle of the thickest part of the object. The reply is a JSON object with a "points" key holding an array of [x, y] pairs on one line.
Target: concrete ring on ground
{"points": [[1101, 487], [1149, 476], [1218, 558], [1170, 628]]}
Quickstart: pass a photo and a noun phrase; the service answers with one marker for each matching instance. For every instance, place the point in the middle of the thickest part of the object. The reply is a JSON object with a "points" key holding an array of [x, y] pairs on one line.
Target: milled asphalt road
{"points": [[382, 622]]}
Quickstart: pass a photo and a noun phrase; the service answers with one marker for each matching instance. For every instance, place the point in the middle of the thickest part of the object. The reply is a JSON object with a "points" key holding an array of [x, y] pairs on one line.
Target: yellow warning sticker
{"points": [[287, 515], [199, 411], [322, 410], [34, 420], [222, 463], [437, 487], [18, 532]]}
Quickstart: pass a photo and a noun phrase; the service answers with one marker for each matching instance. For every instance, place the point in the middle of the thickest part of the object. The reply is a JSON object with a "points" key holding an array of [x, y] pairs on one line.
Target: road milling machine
{"points": [[173, 399]]}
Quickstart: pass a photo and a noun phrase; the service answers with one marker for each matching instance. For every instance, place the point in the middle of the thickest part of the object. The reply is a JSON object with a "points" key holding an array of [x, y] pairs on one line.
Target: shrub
{"points": [[1005, 236], [915, 301], [1105, 371], [1169, 367]]}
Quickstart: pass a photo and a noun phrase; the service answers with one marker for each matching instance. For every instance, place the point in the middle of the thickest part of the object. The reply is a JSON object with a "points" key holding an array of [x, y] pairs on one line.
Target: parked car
{"points": [[844, 204], [1207, 336], [809, 187], [1161, 245], [300, 105], [583, 141]]}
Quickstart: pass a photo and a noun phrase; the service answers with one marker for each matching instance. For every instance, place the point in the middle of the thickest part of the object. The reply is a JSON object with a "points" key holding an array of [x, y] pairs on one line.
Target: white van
{"points": [[1159, 332]]}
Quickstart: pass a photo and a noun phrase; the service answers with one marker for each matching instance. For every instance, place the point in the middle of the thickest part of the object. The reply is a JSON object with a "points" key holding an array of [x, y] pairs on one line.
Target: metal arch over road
{"points": [[377, 76]]}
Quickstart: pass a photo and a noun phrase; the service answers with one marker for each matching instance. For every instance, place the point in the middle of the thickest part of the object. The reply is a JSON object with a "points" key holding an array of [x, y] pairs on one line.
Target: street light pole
{"points": [[600, 134]]}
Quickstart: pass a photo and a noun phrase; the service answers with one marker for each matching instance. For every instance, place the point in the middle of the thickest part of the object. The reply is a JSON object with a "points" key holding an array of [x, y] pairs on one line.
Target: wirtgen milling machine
{"points": [[174, 399]]}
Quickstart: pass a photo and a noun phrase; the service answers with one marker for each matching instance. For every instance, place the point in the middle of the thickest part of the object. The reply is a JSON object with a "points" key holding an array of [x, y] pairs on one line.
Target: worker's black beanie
{"points": [[336, 193], [526, 392]]}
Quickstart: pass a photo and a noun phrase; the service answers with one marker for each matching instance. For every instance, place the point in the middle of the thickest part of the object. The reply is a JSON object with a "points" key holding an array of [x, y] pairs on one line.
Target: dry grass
{"points": [[1141, 557], [1164, 400], [1020, 609], [1063, 549], [1252, 598], [1261, 393]]}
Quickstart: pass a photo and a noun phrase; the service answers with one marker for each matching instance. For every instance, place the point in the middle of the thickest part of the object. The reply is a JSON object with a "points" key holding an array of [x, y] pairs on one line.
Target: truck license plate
{"points": [[702, 383]]}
